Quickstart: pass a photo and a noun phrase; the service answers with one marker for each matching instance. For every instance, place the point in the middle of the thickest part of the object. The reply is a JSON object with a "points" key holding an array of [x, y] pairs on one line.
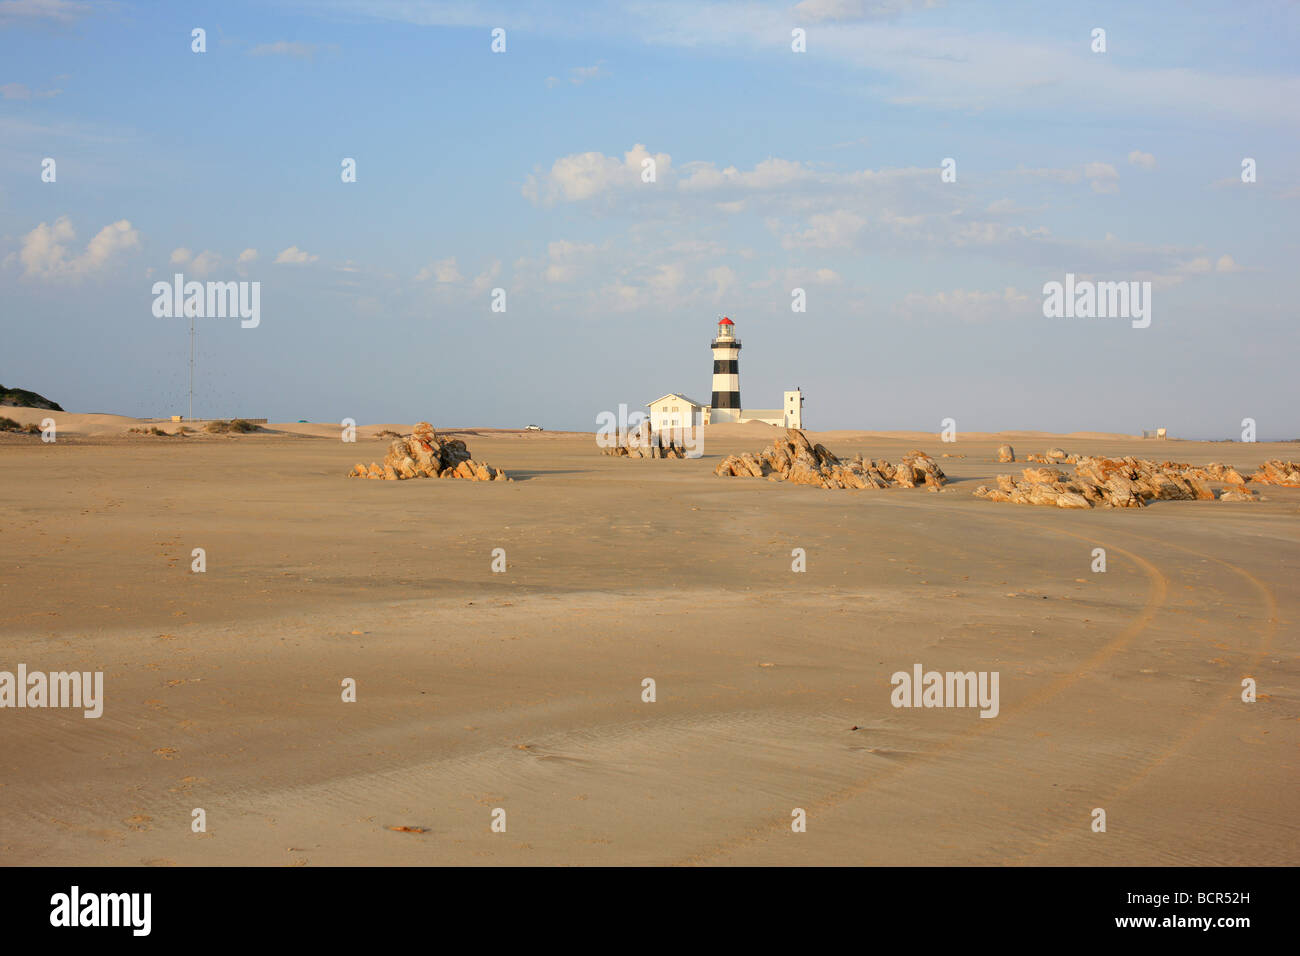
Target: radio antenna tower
{"points": [[191, 414]]}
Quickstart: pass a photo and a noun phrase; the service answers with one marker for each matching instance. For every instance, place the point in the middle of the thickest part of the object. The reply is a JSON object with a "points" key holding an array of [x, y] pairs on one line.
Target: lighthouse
{"points": [[675, 410], [726, 373]]}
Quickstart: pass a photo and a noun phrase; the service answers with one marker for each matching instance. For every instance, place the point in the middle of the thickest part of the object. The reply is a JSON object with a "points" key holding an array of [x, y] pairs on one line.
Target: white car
{"points": [[533, 428]]}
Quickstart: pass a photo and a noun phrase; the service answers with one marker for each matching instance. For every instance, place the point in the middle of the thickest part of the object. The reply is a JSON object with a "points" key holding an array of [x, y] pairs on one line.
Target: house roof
{"points": [[688, 400]]}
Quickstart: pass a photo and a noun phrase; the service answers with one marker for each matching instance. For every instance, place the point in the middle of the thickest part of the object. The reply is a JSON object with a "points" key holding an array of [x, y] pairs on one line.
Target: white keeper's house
{"points": [[676, 410]]}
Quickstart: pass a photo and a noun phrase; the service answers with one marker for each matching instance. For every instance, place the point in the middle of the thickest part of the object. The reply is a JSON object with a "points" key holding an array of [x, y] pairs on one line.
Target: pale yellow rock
{"points": [[1042, 476], [1070, 499]]}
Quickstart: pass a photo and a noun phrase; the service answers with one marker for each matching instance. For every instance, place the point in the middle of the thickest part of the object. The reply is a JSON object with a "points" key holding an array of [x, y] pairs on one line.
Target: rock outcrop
{"points": [[1053, 456], [1278, 472], [1237, 493], [797, 460], [1116, 483], [424, 455], [644, 443], [1211, 472], [1006, 453]]}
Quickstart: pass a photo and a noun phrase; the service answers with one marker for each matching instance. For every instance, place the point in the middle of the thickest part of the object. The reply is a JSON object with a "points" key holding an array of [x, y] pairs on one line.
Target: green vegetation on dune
{"points": [[9, 425], [22, 398], [234, 425]]}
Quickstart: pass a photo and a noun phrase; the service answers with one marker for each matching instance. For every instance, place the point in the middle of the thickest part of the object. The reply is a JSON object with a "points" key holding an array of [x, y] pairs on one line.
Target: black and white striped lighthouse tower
{"points": [[726, 373]]}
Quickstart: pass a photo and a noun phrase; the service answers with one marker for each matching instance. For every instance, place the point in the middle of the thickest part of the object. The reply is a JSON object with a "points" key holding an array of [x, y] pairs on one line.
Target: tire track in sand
{"points": [[1269, 631], [1157, 593]]}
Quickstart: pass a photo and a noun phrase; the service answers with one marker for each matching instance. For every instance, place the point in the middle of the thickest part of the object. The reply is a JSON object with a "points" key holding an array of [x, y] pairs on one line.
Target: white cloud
{"points": [[625, 297], [1202, 265], [566, 259], [1198, 266], [1103, 177], [969, 305], [767, 174], [248, 255], [205, 263], [667, 279], [818, 11], [579, 75], [284, 48], [45, 252], [1139, 158], [936, 63], [698, 248], [581, 176], [295, 256], [807, 206], [975, 233], [20, 91], [831, 230], [1052, 175], [695, 190], [1007, 207], [181, 256], [723, 279], [796, 278], [59, 11], [443, 271], [484, 279]]}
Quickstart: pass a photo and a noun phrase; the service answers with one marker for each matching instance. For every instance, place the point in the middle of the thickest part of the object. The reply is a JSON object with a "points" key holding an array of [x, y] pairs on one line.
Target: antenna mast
{"points": [[191, 415]]}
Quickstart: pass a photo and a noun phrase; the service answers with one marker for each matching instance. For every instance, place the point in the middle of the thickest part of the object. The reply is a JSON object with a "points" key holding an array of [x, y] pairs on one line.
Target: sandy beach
{"points": [[522, 690]]}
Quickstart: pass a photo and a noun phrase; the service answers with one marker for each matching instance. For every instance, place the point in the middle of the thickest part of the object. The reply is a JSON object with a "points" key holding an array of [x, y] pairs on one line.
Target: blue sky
{"points": [[774, 170]]}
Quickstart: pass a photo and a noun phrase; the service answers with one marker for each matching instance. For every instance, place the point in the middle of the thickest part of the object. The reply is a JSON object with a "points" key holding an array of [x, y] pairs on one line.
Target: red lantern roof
{"points": [[726, 321]]}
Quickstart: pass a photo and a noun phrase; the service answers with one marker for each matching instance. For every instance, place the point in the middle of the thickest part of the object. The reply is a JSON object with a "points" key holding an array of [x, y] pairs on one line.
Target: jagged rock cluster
{"points": [[643, 443], [1053, 456], [1116, 483], [1211, 472], [1278, 472], [424, 455], [797, 460]]}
